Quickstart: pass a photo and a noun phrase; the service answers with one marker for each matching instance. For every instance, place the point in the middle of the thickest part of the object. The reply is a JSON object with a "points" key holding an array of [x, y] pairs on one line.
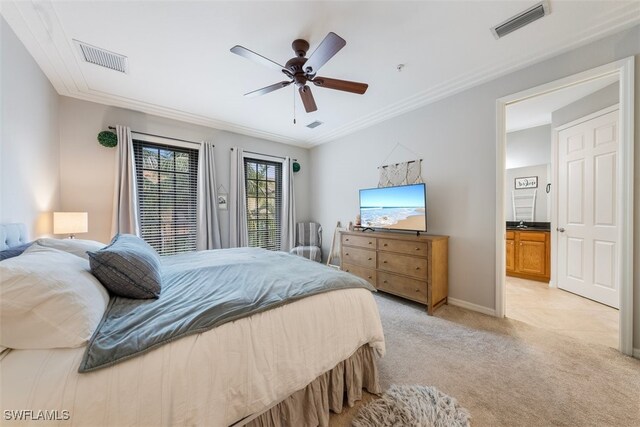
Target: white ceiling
{"points": [[537, 111], [180, 65]]}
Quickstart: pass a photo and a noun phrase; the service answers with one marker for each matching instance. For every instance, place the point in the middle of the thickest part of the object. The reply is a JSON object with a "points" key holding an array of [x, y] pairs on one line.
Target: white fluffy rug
{"points": [[415, 405]]}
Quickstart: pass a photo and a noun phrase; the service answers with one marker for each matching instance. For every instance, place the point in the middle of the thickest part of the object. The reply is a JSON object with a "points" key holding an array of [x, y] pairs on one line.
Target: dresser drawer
{"points": [[403, 286], [403, 246], [362, 241], [403, 264], [360, 257], [365, 273]]}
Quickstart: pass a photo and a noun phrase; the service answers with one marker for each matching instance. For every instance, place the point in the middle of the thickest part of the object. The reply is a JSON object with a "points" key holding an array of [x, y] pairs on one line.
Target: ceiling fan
{"points": [[301, 70]]}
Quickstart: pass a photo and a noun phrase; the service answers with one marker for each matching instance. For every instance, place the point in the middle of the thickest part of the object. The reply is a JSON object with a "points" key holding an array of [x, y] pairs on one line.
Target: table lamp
{"points": [[70, 223]]}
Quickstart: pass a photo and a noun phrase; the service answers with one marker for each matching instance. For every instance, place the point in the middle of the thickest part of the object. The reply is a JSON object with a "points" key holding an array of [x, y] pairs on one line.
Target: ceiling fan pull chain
{"points": [[294, 104]]}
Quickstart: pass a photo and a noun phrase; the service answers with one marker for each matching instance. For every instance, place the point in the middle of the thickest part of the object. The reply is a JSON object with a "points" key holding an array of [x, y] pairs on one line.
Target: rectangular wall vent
{"points": [[521, 19], [314, 124], [102, 57]]}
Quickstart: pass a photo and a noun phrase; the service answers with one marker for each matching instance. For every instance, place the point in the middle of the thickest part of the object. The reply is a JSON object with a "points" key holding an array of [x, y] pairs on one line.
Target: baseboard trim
{"points": [[471, 306], [636, 353]]}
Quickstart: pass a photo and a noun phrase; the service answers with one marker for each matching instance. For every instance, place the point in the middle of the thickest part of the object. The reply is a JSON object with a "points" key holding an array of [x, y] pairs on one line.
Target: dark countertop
{"points": [[531, 226]]}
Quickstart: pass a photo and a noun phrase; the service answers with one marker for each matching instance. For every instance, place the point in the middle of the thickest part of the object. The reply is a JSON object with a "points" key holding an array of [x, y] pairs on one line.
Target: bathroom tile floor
{"points": [[560, 311]]}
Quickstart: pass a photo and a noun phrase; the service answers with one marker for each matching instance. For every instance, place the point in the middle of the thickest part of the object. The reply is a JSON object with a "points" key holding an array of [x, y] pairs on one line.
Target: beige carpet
{"points": [[506, 373]]}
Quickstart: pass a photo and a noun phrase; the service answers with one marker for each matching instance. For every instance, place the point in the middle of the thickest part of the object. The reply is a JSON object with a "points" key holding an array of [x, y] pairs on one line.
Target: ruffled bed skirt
{"points": [[311, 405]]}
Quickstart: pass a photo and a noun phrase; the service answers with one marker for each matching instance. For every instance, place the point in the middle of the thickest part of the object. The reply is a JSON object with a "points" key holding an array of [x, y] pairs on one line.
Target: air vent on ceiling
{"points": [[314, 124], [521, 19], [102, 57]]}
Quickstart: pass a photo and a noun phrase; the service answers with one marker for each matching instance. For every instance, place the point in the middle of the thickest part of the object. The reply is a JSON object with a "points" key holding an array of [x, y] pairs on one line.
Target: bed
{"points": [[288, 365]]}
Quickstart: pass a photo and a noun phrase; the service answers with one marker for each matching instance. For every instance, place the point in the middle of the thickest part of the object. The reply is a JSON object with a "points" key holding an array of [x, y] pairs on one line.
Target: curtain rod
{"points": [[268, 155], [161, 136]]}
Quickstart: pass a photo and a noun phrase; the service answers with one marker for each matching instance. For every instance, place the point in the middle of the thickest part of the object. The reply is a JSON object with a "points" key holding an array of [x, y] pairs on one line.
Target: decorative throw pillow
{"points": [[77, 247], [128, 267], [48, 299], [14, 251]]}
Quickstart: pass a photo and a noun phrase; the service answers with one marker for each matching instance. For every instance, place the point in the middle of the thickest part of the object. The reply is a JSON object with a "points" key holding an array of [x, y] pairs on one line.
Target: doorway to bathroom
{"points": [[563, 206]]}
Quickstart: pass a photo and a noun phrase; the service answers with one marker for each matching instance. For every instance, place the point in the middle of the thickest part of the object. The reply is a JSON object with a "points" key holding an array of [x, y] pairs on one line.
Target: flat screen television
{"points": [[394, 208]]}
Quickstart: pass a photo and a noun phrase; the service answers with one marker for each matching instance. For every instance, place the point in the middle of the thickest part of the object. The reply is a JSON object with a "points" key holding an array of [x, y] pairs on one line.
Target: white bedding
{"points": [[215, 378]]}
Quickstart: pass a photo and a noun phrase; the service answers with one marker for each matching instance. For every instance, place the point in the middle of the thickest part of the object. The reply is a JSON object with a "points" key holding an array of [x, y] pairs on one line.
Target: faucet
{"points": [[521, 225]]}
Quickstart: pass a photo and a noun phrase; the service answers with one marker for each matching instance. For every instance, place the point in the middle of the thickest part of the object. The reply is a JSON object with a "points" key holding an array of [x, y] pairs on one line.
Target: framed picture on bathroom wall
{"points": [[526, 182]]}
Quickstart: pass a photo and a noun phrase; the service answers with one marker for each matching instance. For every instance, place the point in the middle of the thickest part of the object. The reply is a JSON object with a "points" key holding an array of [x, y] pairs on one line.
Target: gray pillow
{"points": [[128, 267], [14, 251]]}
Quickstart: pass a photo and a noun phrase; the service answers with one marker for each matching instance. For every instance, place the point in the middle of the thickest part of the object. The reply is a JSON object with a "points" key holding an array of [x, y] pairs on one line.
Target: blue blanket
{"points": [[202, 290]]}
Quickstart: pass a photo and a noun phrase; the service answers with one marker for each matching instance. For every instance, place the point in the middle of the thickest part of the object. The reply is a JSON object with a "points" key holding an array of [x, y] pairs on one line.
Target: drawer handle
{"points": [[371, 243], [385, 244], [346, 240], [369, 277], [384, 262], [417, 249], [369, 259], [417, 268], [384, 281], [417, 290], [346, 253], [347, 270]]}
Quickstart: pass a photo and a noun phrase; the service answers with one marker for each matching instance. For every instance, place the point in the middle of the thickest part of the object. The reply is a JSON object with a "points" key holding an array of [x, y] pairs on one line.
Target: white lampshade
{"points": [[70, 223]]}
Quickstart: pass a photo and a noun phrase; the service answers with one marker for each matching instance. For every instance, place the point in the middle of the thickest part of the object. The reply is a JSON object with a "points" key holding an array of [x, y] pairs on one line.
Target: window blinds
{"points": [[263, 181], [167, 195]]}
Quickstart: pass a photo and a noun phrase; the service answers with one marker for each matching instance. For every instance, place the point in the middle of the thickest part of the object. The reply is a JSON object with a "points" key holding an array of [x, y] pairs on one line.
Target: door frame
{"points": [[624, 69]]}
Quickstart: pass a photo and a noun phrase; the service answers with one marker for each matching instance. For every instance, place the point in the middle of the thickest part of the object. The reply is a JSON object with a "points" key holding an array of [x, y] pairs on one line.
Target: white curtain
{"points": [[126, 218], [238, 234], [208, 226], [288, 221]]}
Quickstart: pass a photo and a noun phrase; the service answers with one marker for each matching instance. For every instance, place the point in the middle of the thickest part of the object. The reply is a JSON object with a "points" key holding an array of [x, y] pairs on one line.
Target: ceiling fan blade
{"points": [[268, 89], [344, 85], [329, 47], [307, 99], [249, 54]]}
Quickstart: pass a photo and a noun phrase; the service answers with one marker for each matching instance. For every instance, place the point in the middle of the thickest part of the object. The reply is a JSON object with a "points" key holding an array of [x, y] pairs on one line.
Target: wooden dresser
{"points": [[409, 266], [528, 254]]}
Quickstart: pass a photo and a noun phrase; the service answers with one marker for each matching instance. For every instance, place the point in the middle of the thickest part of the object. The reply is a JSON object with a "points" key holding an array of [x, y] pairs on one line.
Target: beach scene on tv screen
{"points": [[398, 208]]}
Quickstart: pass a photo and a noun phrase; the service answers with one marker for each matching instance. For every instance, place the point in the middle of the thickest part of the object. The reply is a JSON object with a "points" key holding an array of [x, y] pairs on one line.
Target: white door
{"points": [[587, 217]]}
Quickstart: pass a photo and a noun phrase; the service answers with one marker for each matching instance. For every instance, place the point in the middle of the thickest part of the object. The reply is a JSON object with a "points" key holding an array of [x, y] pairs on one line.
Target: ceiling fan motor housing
{"points": [[300, 47], [294, 65]]}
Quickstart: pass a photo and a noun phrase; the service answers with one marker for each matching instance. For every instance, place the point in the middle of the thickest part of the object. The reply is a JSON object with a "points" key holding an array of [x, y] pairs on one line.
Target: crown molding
{"points": [[39, 28], [618, 19]]}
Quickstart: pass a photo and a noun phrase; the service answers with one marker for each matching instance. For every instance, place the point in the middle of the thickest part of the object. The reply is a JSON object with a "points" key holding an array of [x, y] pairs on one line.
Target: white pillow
{"points": [[48, 299], [76, 247]]}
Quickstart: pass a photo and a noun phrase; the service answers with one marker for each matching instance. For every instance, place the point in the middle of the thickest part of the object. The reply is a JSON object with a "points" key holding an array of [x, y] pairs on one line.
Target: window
{"points": [[263, 180], [167, 196]]}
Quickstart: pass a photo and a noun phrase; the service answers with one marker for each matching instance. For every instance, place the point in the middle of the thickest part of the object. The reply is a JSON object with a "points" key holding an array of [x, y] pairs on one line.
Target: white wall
{"points": [[605, 97], [542, 198], [457, 138], [87, 168], [529, 154], [529, 147], [29, 157]]}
